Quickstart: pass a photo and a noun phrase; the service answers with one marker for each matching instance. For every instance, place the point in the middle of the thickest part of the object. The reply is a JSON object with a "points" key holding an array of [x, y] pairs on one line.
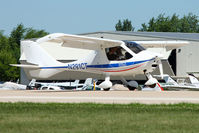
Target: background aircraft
{"points": [[88, 84], [171, 84], [12, 86], [33, 83]]}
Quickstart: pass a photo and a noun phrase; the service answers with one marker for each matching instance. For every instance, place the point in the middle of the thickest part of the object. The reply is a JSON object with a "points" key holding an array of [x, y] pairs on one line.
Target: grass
{"points": [[98, 118]]}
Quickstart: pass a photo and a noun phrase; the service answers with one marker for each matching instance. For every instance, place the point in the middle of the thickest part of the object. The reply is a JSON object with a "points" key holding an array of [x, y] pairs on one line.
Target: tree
{"points": [[17, 34], [7, 72], [151, 26], [175, 23], [189, 23], [118, 26], [10, 50], [3, 41], [144, 27], [124, 26], [32, 33]]}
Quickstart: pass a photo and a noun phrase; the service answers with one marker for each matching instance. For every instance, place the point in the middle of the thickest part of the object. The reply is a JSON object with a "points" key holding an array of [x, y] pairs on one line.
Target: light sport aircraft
{"points": [[33, 83], [193, 80], [106, 57], [12, 86], [171, 84], [62, 85]]}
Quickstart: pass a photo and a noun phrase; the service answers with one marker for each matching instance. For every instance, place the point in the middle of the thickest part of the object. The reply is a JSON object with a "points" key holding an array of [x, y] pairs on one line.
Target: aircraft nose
{"points": [[156, 55]]}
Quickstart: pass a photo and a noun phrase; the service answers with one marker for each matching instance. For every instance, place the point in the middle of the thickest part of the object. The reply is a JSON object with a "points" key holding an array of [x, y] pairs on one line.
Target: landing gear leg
{"points": [[148, 75]]}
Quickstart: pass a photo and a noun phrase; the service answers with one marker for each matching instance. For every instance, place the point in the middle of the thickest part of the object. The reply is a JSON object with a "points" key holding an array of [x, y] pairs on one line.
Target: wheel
{"points": [[107, 89], [28, 88], [132, 85], [131, 88]]}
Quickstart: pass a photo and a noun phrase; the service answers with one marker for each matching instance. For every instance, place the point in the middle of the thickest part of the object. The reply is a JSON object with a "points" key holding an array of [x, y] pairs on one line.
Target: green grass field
{"points": [[98, 118]]}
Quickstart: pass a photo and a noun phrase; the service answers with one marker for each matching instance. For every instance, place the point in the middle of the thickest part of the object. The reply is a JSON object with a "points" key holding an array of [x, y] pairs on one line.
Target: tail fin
{"points": [[88, 82], [32, 82], [76, 82], [168, 79], [193, 79], [36, 55]]}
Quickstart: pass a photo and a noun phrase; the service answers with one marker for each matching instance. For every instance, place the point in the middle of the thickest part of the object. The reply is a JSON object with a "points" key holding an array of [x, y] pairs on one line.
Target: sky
{"points": [[83, 16]]}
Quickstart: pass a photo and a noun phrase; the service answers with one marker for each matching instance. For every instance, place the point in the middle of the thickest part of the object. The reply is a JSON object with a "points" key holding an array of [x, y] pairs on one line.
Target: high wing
{"points": [[93, 43], [26, 66], [169, 45], [82, 42]]}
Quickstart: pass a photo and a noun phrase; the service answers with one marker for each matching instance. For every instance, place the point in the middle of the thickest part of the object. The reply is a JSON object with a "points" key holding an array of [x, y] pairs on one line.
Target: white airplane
{"points": [[12, 86], [171, 84], [88, 84], [106, 57], [72, 85], [54, 88], [193, 80]]}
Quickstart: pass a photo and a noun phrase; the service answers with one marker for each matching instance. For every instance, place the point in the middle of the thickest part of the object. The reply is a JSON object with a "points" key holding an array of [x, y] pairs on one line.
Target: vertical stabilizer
{"points": [[88, 82], [76, 82], [35, 54], [169, 80], [193, 79]]}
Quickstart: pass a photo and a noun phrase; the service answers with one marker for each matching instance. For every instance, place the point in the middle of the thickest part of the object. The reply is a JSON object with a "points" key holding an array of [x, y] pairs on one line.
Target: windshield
{"points": [[117, 54], [136, 48]]}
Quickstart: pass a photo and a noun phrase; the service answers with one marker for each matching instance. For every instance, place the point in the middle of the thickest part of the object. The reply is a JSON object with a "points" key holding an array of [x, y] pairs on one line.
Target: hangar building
{"points": [[181, 60]]}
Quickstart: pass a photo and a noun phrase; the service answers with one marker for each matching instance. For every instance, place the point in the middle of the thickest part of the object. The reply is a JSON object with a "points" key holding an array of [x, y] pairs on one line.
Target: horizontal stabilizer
{"points": [[26, 66]]}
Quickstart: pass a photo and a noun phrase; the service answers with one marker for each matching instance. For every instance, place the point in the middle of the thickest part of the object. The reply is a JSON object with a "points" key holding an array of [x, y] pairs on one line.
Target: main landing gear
{"points": [[107, 84]]}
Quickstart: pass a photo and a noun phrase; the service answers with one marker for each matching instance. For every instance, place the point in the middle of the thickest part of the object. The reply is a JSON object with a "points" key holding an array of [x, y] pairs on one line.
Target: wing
{"points": [[75, 41], [169, 45], [26, 66]]}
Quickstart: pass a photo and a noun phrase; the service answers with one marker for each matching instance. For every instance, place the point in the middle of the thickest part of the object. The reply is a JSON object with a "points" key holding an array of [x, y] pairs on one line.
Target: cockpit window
{"points": [[117, 54], [136, 48]]}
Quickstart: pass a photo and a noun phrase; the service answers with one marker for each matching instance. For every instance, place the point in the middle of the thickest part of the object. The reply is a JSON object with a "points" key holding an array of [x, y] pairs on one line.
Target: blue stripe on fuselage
{"points": [[105, 65], [54, 67], [117, 64]]}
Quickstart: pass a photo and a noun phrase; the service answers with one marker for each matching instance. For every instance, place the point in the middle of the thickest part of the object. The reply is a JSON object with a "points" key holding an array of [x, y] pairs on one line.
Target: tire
{"points": [[107, 89], [131, 88]]}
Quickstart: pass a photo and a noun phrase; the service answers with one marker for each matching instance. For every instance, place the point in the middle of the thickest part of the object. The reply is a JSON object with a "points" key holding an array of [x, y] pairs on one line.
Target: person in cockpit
{"points": [[112, 55]]}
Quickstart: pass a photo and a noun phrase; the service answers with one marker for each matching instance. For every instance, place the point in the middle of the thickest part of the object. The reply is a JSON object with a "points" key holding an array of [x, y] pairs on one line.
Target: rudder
{"points": [[35, 54]]}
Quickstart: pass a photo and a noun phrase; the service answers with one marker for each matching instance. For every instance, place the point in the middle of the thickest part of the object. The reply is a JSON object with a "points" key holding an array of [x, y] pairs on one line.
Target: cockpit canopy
{"points": [[119, 54], [136, 48]]}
